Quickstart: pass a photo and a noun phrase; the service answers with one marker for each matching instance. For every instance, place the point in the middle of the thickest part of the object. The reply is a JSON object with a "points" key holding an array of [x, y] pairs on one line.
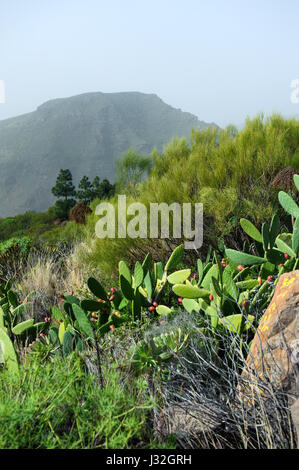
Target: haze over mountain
{"points": [[84, 133]]}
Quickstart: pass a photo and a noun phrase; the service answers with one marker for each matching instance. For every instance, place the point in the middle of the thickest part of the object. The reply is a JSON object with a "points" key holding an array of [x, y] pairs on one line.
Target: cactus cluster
{"points": [[153, 353], [224, 291], [217, 292], [273, 249], [12, 330], [144, 288]]}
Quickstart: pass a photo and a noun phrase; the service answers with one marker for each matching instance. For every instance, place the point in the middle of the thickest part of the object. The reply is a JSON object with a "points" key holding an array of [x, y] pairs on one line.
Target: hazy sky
{"points": [[219, 59]]}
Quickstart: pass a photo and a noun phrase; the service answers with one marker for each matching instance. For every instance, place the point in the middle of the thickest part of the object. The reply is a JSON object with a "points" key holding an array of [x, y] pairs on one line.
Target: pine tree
{"points": [[102, 190], [64, 189], [106, 189], [96, 188], [85, 192]]}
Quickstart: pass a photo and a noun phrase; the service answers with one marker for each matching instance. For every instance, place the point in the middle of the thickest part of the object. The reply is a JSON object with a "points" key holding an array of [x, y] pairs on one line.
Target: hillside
{"points": [[84, 133]]}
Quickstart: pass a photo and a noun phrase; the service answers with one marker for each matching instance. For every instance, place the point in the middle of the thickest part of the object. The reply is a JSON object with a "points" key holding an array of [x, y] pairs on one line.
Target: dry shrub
{"points": [[206, 402], [49, 275], [285, 179], [78, 213], [78, 269], [43, 276]]}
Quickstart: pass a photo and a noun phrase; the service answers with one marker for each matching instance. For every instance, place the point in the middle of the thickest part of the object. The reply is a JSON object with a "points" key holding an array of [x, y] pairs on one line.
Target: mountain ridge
{"points": [[84, 133]]}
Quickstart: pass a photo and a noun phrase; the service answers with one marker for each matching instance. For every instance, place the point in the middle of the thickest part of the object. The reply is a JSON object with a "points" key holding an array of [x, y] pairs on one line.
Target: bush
{"points": [[78, 213], [57, 406], [229, 171]]}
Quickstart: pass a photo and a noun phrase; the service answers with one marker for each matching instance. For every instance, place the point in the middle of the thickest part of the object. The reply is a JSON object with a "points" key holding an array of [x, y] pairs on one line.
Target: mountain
{"points": [[84, 133]]}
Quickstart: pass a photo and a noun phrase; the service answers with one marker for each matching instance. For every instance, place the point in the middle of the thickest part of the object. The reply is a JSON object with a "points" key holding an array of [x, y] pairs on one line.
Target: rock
{"points": [[295, 418], [183, 421], [274, 353]]}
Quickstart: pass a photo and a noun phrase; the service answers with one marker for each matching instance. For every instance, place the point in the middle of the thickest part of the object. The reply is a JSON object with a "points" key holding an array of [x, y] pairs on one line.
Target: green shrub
{"points": [[57, 406], [229, 171], [25, 224]]}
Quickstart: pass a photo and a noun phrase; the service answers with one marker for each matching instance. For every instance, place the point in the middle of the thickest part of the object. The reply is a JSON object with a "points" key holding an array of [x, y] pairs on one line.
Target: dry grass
{"points": [[77, 269], [49, 275], [206, 402]]}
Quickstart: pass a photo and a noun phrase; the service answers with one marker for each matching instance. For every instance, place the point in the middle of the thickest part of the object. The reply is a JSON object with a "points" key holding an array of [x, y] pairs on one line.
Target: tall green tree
{"points": [[131, 169], [85, 190], [102, 190], [65, 191]]}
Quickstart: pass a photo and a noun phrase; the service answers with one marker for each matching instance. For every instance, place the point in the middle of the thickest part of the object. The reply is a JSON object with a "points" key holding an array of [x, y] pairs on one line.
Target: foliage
{"points": [[78, 213], [84, 192], [20, 225], [12, 252], [19, 246], [83, 322], [88, 191], [229, 172], [103, 189], [59, 406], [14, 329], [170, 318], [285, 255], [64, 189], [151, 354], [131, 169]]}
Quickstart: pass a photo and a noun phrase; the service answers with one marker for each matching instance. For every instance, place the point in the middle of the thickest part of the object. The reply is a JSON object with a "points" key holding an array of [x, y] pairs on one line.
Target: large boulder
{"points": [[295, 417], [201, 424], [274, 352], [181, 420]]}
